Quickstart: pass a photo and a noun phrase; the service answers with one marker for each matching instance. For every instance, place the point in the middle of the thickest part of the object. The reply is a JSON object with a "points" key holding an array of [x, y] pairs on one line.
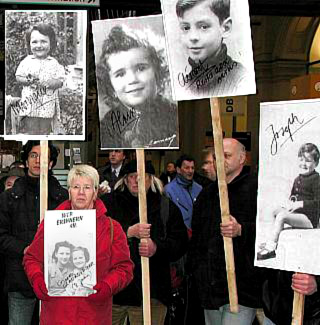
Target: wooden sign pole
{"points": [[43, 178], [224, 202], [298, 309], [143, 219], [43, 183]]}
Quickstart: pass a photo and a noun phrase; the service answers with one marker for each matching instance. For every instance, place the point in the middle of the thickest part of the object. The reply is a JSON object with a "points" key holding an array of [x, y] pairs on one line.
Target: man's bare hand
{"points": [[231, 228], [147, 247], [304, 283], [139, 230]]}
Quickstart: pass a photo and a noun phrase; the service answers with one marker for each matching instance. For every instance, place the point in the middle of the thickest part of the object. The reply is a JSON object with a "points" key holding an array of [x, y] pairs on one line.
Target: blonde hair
{"points": [[83, 171], [156, 184]]}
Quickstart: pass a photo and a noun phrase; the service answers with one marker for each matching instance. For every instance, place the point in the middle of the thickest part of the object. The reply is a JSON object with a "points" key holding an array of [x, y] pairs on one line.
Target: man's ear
{"points": [[50, 165], [243, 157], [178, 170], [226, 27]]}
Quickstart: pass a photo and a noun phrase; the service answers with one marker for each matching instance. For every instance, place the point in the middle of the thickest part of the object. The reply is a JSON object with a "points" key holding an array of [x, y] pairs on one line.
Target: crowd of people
{"points": [[183, 239]]}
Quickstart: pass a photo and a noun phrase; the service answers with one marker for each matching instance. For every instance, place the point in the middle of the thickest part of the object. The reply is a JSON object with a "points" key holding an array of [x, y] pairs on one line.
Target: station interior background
{"points": [[286, 49]]}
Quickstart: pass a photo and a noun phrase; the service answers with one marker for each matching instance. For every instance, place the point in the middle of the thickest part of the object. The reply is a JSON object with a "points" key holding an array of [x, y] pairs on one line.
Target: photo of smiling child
{"points": [[211, 53], [288, 214], [40, 76], [70, 251], [302, 209], [60, 268], [80, 280], [42, 57], [135, 103]]}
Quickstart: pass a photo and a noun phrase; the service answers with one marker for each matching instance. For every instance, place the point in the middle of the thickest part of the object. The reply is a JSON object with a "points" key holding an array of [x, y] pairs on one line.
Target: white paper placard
{"points": [[210, 55], [288, 234], [70, 252], [45, 85], [136, 109]]}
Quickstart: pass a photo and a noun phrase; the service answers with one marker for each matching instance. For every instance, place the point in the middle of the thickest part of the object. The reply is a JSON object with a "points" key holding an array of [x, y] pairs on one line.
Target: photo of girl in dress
{"points": [[41, 76], [42, 61], [135, 104]]}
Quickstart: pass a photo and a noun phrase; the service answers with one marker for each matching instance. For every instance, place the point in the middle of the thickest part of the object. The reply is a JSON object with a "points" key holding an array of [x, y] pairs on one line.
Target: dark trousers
{"points": [[184, 307]]}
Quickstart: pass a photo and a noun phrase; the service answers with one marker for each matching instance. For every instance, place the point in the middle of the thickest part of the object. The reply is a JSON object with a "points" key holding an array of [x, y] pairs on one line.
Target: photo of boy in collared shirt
{"points": [[210, 70]]}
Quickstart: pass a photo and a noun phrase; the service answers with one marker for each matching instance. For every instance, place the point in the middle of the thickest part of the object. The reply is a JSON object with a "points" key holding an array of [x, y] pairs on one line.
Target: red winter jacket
{"points": [[114, 267]]}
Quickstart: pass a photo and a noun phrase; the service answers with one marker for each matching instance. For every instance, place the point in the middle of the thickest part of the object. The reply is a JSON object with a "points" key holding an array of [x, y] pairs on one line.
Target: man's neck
{"points": [[230, 178], [116, 166], [33, 176]]}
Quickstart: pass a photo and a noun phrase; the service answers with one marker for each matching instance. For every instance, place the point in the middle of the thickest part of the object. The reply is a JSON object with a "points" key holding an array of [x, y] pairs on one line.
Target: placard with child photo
{"points": [[288, 234], [70, 252], [136, 109], [210, 48], [45, 74]]}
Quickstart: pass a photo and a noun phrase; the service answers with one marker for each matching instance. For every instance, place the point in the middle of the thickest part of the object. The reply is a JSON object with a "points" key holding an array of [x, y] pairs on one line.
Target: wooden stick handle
{"points": [[143, 219], [224, 202], [298, 309], [43, 178]]}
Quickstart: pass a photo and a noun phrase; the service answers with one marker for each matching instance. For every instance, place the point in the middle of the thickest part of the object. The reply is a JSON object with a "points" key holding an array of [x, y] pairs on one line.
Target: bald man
{"points": [[207, 257]]}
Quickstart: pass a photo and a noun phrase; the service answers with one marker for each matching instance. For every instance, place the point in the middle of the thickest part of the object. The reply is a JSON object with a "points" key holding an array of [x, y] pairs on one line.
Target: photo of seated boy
{"points": [[301, 211]]}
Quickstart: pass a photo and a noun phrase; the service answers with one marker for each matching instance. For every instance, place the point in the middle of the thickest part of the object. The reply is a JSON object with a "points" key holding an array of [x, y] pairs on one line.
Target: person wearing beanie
{"points": [[19, 220], [165, 241]]}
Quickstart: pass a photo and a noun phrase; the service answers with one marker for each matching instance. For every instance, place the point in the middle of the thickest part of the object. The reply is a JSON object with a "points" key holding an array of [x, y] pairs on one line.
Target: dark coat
{"points": [[171, 241], [278, 299], [105, 174], [19, 220], [206, 257], [218, 76], [306, 188], [164, 177]]}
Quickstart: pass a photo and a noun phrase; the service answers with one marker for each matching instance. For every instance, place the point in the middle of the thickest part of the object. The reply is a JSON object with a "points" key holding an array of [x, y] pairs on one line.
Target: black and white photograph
{"points": [[70, 252], [288, 234], [45, 73], [136, 109], [209, 48], [56, 2]]}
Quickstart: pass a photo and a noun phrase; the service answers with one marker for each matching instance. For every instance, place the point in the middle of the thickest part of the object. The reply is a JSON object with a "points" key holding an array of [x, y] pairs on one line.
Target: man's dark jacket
{"points": [[206, 257], [170, 237], [105, 174], [19, 220], [278, 299]]}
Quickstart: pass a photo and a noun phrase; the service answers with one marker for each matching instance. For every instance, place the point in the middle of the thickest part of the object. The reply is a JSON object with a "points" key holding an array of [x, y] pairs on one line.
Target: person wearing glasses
{"points": [[19, 220], [114, 268]]}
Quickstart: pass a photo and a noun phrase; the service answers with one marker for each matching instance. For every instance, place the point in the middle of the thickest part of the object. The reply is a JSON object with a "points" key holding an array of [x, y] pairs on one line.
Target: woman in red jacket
{"points": [[114, 267]]}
